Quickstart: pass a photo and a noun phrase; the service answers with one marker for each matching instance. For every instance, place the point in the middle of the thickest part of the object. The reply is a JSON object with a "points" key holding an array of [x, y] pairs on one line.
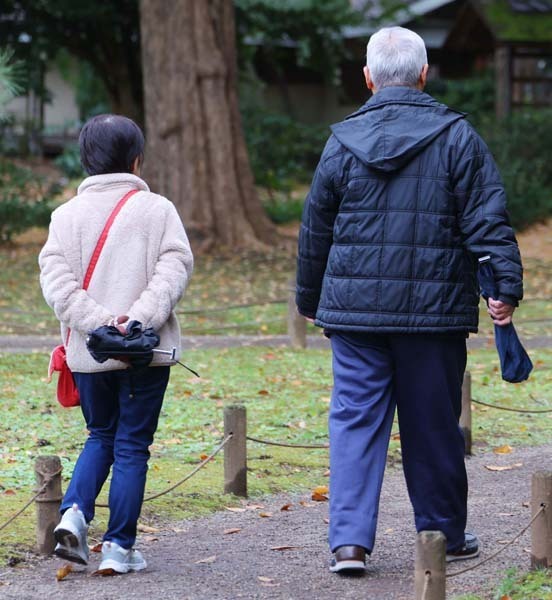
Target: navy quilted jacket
{"points": [[405, 199]]}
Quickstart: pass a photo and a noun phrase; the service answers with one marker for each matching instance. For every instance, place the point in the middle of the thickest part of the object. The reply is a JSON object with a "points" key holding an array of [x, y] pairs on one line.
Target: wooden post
{"points": [[297, 324], [466, 416], [235, 452], [48, 503], [503, 81], [541, 529], [430, 566]]}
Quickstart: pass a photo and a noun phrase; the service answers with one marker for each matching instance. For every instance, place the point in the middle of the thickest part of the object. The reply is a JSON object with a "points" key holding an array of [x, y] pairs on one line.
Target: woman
{"points": [[141, 274]]}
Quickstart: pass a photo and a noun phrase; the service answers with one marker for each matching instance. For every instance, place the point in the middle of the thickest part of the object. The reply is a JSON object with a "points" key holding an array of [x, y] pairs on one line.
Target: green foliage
{"points": [[69, 162], [284, 209], [311, 27], [23, 201], [281, 150], [9, 79], [535, 585], [522, 145], [474, 96]]}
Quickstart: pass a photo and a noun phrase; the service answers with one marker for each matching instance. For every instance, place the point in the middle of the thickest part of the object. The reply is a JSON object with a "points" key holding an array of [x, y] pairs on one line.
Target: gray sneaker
{"points": [[71, 536], [116, 559]]}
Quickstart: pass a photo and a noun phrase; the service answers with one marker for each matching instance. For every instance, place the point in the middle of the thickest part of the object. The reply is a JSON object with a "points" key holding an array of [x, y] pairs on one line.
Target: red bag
{"points": [[67, 391]]}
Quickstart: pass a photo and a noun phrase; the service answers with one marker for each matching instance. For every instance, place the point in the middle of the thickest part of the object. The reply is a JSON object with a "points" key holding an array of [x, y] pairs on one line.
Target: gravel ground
{"points": [[196, 560]]}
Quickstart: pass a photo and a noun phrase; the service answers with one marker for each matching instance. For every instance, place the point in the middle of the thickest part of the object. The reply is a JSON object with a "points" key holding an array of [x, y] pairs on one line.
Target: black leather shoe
{"points": [[349, 559]]}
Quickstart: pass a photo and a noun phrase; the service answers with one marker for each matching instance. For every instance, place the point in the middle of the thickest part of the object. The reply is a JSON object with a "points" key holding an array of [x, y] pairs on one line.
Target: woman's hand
{"points": [[118, 323]]}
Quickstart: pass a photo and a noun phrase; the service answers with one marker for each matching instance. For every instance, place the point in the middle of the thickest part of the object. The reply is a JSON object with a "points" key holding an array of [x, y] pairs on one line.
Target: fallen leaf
{"points": [[321, 489], [286, 506], [265, 515], [390, 530], [9, 492], [105, 572], [305, 503], [326, 520], [506, 449], [254, 506], [503, 468], [206, 561], [281, 548], [396, 437], [506, 597], [97, 547], [264, 579], [232, 530], [147, 529], [62, 572], [203, 456], [235, 509], [150, 538], [263, 392], [326, 473], [319, 497], [525, 504], [505, 514]]}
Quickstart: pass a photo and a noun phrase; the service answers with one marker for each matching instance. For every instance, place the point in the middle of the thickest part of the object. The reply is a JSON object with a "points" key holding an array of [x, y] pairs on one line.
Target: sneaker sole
{"points": [[68, 542], [452, 558], [348, 566]]}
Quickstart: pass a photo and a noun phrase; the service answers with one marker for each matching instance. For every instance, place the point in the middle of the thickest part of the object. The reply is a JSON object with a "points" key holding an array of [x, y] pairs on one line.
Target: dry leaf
{"points": [[305, 503], [506, 597], [525, 504], [105, 572], [150, 538], [286, 506], [206, 561], [319, 497], [281, 548], [230, 531], [503, 468], [147, 529], [254, 506], [326, 520], [62, 572], [265, 514], [264, 579], [503, 449], [235, 509], [326, 473], [203, 456], [396, 437], [263, 392], [97, 547], [321, 489]]}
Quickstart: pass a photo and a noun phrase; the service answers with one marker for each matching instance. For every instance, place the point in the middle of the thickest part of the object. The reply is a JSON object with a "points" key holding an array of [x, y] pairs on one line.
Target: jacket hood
{"points": [[394, 126]]}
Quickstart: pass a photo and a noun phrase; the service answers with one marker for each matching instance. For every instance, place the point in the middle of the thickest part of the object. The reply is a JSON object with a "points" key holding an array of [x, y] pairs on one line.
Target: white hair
{"points": [[395, 56]]}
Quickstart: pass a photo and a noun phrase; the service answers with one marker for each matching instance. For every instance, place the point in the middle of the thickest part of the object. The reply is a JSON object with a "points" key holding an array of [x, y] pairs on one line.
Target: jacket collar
{"points": [[398, 94], [100, 183]]}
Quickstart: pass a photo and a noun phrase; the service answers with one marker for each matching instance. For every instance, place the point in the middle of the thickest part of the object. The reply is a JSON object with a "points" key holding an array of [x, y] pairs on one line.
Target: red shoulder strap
{"points": [[103, 237], [101, 243]]}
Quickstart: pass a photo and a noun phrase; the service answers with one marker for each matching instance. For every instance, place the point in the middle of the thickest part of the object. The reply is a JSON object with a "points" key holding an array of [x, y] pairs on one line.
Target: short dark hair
{"points": [[110, 144]]}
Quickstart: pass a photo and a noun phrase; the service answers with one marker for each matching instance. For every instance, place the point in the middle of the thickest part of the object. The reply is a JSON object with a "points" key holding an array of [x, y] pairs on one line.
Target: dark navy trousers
{"points": [[121, 409], [420, 375]]}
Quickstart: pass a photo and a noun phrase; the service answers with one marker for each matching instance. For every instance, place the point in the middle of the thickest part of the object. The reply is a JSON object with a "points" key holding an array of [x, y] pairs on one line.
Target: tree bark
{"points": [[196, 153]]}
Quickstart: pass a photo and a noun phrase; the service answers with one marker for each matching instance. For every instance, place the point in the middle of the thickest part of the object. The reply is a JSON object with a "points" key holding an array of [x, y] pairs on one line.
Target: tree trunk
{"points": [[196, 153]]}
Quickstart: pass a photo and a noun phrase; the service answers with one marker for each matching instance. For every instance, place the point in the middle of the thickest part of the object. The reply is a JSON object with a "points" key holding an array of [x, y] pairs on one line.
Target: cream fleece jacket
{"points": [[142, 272]]}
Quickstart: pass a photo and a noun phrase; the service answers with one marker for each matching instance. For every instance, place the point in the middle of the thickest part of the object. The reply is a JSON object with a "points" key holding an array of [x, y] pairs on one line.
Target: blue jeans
{"points": [[121, 409], [422, 376]]}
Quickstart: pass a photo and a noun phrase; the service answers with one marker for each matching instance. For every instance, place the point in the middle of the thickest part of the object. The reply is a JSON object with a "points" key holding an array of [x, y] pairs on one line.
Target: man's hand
{"points": [[500, 312]]}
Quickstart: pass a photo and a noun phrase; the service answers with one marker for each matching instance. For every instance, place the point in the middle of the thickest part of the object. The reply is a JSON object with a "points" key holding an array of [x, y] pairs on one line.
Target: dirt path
{"points": [[196, 560]]}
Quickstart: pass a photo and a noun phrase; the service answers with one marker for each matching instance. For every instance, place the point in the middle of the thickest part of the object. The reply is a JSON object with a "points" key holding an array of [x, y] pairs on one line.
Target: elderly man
{"points": [[404, 201]]}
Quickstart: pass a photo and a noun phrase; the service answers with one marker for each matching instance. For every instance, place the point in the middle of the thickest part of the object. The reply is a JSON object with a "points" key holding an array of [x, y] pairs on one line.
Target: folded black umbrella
{"points": [[515, 363], [136, 346]]}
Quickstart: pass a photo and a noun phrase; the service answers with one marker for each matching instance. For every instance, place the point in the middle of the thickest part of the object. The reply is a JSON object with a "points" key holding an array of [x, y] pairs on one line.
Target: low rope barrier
{"points": [[191, 474], [518, 410], [48, 478], [495, 554], [284, 444], [426, 584]]}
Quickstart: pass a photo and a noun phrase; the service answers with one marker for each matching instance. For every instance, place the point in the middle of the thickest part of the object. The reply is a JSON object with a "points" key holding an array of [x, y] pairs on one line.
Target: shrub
{"points": [[69, 162], [282, 151], [521, 145], [24, 200]]}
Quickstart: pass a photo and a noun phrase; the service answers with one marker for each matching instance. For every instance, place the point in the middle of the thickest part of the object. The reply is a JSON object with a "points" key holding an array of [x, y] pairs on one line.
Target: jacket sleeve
{"points": [[170, 276], [482, 216], [63, 292], [315, 239]]}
